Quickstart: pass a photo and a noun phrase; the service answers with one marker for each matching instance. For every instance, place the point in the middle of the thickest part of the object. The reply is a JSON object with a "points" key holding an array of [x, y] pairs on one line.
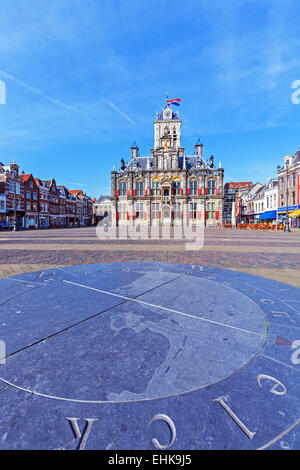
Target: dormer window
{"points": [[198, 165]]}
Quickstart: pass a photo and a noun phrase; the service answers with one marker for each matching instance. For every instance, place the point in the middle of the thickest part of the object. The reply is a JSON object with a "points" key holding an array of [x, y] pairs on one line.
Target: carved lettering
{"points": [[235, 418], [273, 390], [171, 425], [296, 354], [78, 434]]}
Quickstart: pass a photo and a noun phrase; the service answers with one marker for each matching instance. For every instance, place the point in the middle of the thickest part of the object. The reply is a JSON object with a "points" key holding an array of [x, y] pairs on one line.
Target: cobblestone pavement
{"points": [[275, 255]]}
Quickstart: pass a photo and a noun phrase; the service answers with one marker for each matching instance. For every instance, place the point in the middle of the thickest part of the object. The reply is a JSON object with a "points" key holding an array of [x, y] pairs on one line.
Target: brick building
{"points": [[12, 210], [289, 188]]}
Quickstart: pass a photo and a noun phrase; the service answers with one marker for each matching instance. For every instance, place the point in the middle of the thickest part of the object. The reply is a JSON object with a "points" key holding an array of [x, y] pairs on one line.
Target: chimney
{"points": [[134, 151]]}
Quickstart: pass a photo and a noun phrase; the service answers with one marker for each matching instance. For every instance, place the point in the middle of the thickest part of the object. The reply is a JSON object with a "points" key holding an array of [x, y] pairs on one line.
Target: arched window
{"points": [[176, 187], [174, 136], [155, 188]]}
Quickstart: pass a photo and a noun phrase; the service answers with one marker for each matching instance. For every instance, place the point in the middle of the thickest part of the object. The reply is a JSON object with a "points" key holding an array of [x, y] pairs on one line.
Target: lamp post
{"points": [[287, 224], [15, 209]]}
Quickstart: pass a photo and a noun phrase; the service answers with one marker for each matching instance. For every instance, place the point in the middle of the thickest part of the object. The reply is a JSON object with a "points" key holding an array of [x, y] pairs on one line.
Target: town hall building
{"points": [[167, 187]]}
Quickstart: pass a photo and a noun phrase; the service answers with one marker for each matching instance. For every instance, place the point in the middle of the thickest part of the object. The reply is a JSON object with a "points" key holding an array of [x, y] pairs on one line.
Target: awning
{"points": [[268, 215], [295, 213]]}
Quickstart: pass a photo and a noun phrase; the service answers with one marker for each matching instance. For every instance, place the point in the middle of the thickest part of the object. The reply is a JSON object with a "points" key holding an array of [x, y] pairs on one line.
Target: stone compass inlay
{"points": [[148, 355]]}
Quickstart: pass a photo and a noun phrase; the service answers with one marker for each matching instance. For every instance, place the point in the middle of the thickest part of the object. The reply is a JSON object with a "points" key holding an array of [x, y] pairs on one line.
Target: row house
{"points": [[289, 188], [86, 207], [12, 208], [30, 203], [43, 198], [258, 204]]}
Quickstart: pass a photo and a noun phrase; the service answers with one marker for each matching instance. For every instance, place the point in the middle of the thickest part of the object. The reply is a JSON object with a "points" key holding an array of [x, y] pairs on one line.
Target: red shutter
{"points": [[198, 215], [159, 191], [217, 214], [145, 215], [117, 193], [134, 192], [151, 192], [117, 215], [187, 191], [199, 191], [159, 214], [128, 216], [145, 192], [206, 214], [188, 214], [180, 191], [206, 190], [172, 214], [127, 192], [134, 215], [173, 191], [217, 191]]}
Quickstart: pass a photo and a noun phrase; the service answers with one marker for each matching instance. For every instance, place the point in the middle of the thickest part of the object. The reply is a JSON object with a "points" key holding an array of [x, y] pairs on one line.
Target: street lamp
{"points": [[287, 225]]}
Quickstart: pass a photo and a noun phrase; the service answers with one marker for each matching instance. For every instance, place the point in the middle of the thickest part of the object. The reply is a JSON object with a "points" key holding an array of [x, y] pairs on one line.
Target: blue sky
{"points": [[84, 79]]}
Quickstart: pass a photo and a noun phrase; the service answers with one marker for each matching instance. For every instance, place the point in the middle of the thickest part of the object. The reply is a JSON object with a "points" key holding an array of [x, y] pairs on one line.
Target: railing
{"points": [[266, 226]]}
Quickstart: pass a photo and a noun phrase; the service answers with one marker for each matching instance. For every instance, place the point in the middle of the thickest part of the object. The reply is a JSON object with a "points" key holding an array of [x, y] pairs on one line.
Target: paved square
{"points": [[274, 255]]}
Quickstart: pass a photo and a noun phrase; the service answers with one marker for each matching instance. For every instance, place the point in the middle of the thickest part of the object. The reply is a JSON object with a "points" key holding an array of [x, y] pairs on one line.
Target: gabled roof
{"points": [[25, 177]]}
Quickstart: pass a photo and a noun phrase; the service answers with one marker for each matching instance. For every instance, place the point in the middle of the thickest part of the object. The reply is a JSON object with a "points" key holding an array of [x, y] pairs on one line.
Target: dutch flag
{"points": [[176, 101]]}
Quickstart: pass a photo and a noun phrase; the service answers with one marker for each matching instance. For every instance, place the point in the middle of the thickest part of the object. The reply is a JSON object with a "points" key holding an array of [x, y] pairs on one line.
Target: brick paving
{"points": [[275, 255]]}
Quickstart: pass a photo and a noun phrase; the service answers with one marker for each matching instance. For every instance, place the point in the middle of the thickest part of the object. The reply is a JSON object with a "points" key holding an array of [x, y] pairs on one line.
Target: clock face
{"points": [[167, 113], [148, 356]]}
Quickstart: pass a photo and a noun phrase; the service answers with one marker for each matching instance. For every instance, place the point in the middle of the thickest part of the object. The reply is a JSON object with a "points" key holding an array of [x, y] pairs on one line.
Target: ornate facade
{"points": [[167, 187]]}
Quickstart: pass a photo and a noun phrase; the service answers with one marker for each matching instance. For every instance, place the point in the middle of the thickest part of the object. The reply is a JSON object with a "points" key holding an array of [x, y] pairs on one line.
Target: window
{"points": [[193, 187], [275, 200], [139, 188], [176, 187], [31, 184], [139, 210], [122, 211], [123, 188], [282, 183], [294, 179], [193, 210], [211, 187], [177, 210], [287, 181], [281, 200], [268, 201], [155, 188], [17, 188], [35, 196], [2, 205], [27, 194], [293, 198], [211, 210], [11, 187], [155, 210]]}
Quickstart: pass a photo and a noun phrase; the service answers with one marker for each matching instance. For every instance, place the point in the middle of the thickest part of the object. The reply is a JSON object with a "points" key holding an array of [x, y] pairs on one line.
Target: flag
{"points": [[176, 101]]}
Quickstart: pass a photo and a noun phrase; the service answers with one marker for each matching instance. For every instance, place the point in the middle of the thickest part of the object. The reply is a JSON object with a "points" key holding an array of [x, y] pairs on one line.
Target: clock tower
{"points": [[167, 129]]}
